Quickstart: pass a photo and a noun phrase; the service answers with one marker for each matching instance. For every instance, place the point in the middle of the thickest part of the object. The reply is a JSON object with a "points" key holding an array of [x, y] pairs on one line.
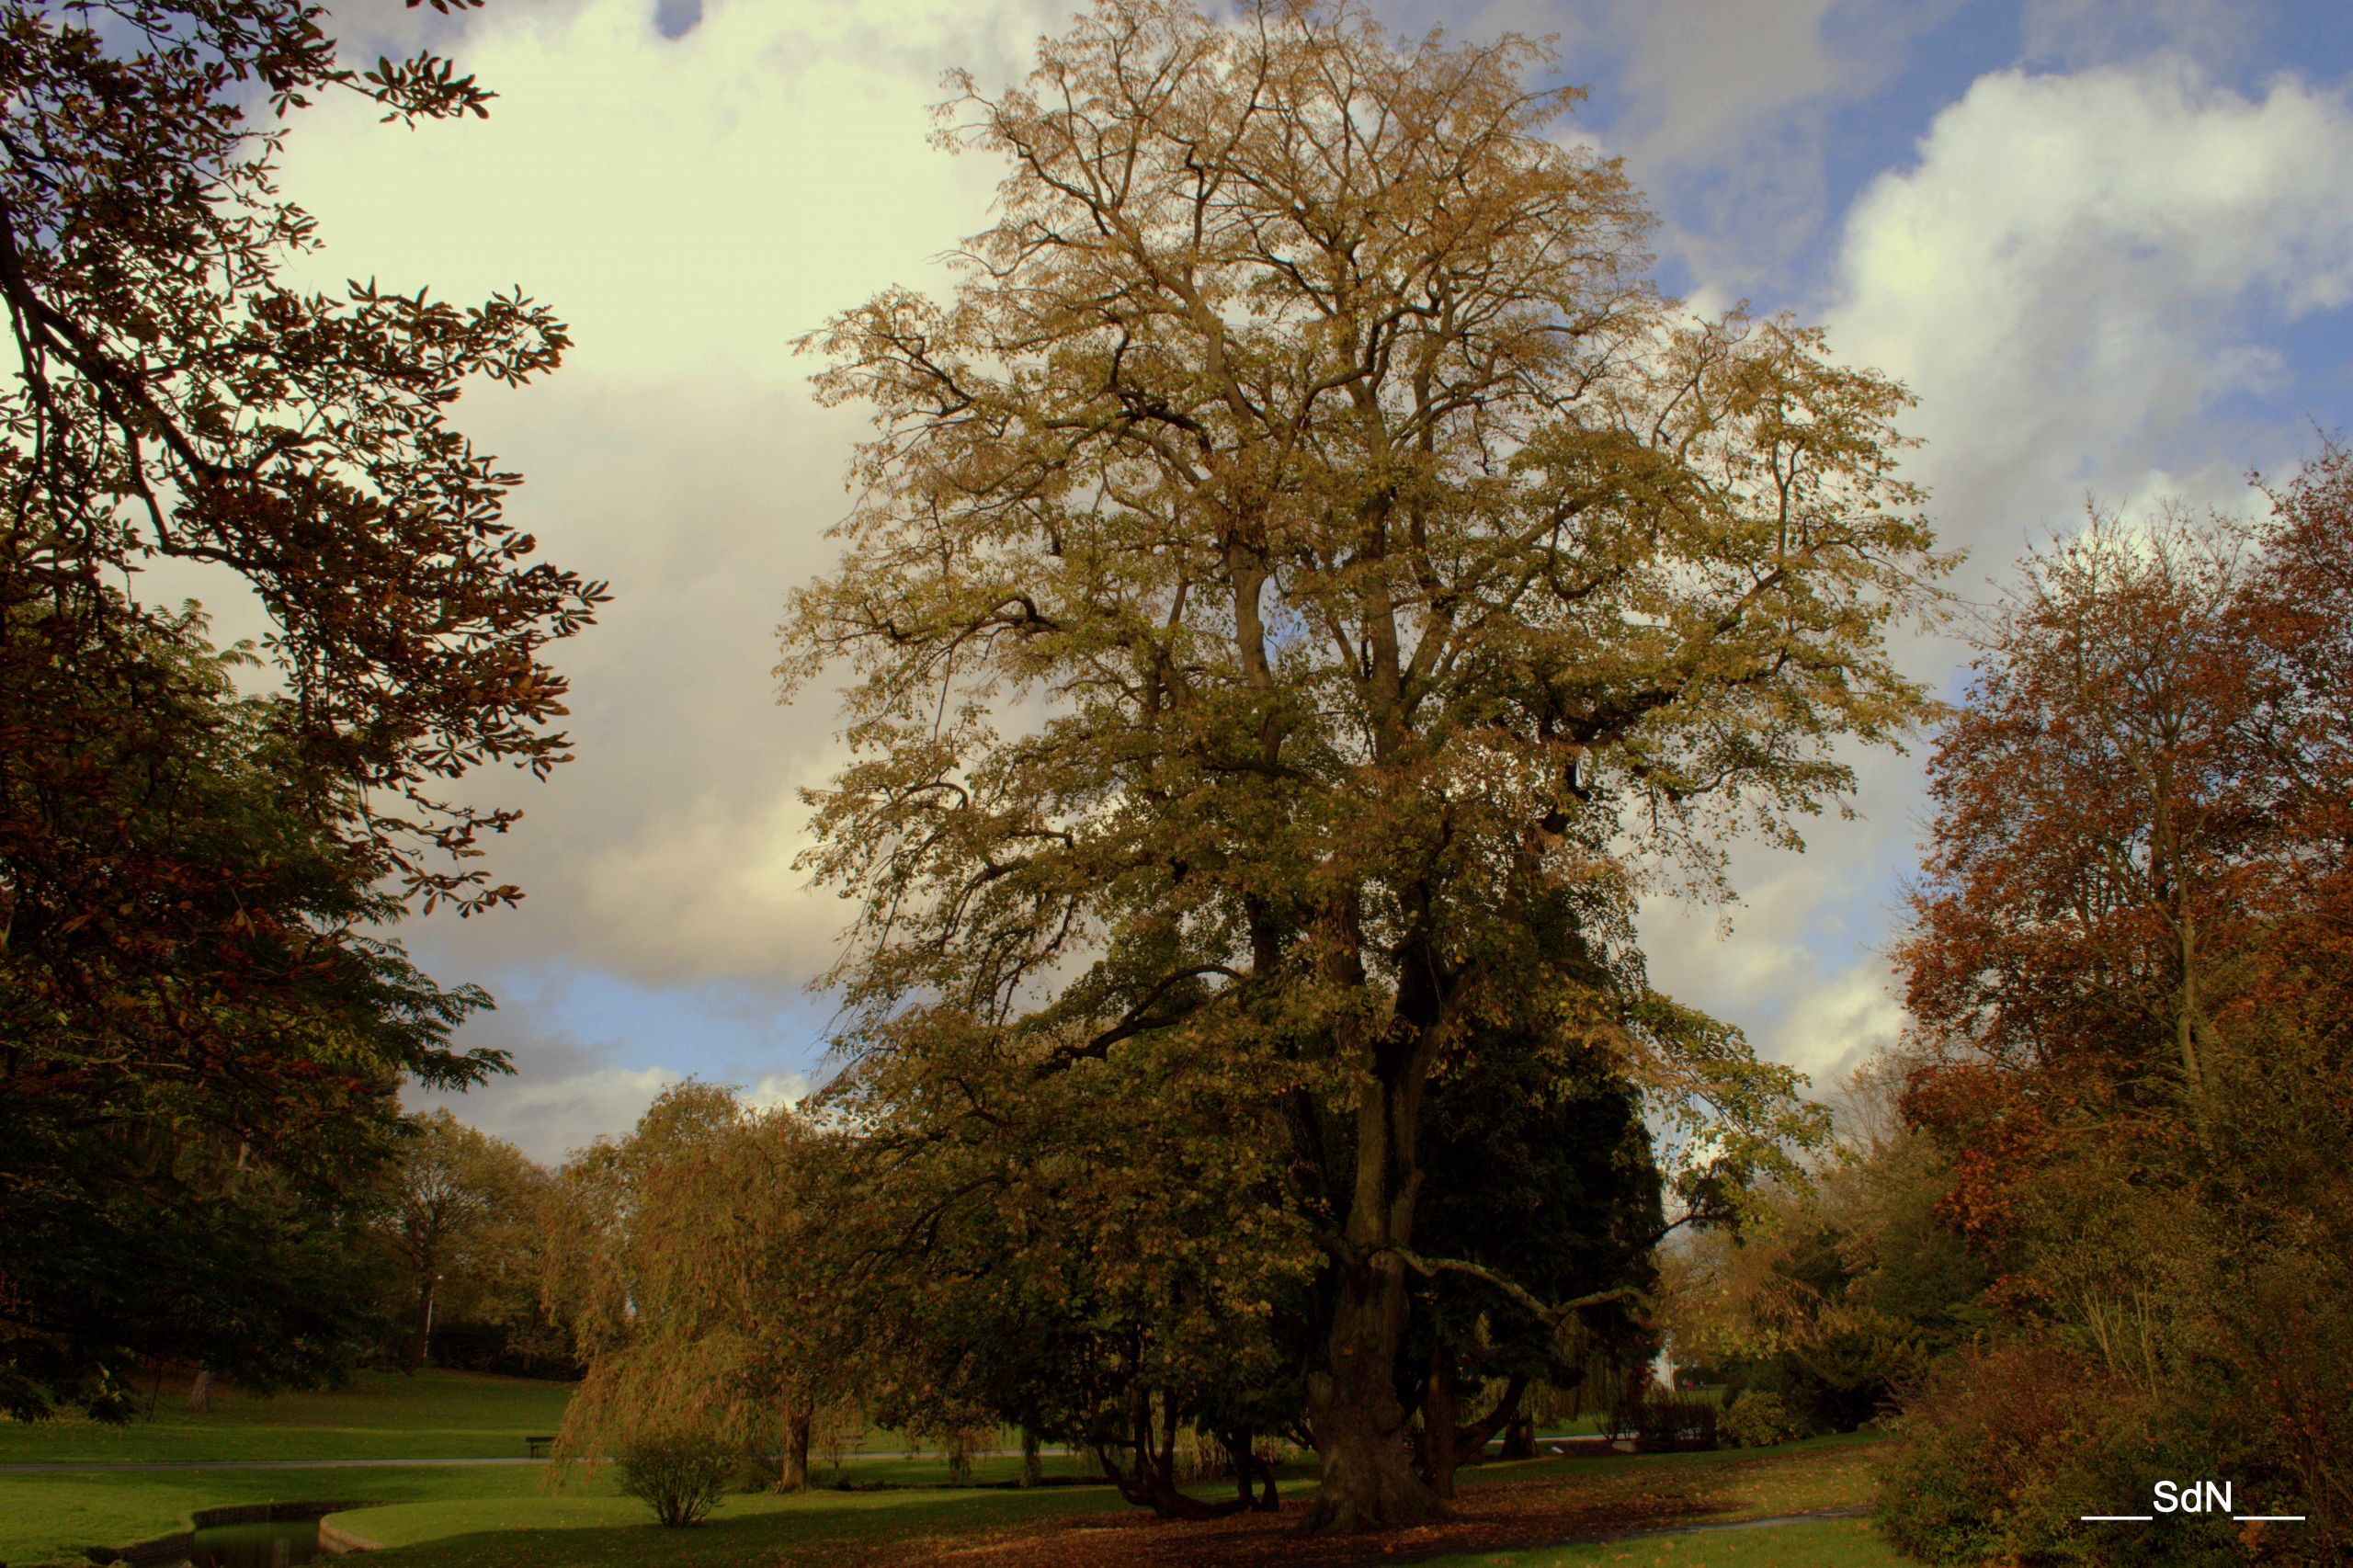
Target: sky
{"points": [[2106, 243]]}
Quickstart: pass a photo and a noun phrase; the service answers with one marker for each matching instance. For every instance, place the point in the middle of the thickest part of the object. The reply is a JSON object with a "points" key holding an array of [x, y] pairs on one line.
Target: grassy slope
{"points": [[55, 1518], [432, 1415]]}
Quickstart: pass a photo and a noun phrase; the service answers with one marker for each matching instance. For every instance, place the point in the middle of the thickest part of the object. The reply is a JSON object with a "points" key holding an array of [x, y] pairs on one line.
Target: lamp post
{"points": [[424, 1344]]}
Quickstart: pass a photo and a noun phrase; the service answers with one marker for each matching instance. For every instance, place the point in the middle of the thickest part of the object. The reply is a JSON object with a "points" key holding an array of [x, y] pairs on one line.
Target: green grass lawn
{"points": [[1731, 1484], [499, 1514], [429, 1415], [602, 1528], [595, 1531], [1834, 1543], [55, 1518]]}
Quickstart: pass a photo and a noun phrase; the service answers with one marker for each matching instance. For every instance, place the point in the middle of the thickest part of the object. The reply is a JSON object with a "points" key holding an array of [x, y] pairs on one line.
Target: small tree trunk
{"points": [[798, 1417], [959, 1460], [1438, 1425], [1269, 1500], [420, 1339], [200, 1393], [1470, 1442], [1519, 1438], [1237, 1447], [1033, 1468]]}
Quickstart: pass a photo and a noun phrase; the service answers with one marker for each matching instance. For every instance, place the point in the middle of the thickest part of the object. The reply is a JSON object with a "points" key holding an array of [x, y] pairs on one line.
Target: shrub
{"points": [[1756, 1420], [1834, 1382], [2003, 1451], [1669, 1425], [680, 1477]]}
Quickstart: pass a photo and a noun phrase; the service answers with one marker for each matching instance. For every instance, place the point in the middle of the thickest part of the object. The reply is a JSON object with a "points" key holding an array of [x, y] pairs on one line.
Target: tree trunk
{"points": [[1151, 1480], [1519, 1438], [1033, 1468], [1470, 1442], [1438, 1425], [420, 1339], [200, 1393], [798, 1418], [1270, 1501], [1369, 1480]]}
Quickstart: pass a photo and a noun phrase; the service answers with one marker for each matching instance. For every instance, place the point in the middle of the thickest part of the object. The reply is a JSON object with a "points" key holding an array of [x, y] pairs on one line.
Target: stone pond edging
{"points": [[175, 1548], [337, 1541]]}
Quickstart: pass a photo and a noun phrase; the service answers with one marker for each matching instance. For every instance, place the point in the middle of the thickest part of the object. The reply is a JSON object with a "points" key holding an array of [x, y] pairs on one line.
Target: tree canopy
{"points": [[1304, 584], [174, 398], [198, 1071], [676, 1256], [188, 880], [2130, 972], [466, 1216]]}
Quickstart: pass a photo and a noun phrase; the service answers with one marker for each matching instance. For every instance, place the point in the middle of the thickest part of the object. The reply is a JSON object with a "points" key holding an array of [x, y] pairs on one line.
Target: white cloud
{"points": [[549, 1115], [710, 893], [1703, 71], [1729, 113], [1798, 961], [776, 1089], [2079, 268], [688, 207], [1836, 1022]]}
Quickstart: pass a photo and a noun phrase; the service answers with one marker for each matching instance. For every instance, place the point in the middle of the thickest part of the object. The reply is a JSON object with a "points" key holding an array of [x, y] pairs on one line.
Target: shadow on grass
{"points": [[1505, 1508], [825, 1523]]}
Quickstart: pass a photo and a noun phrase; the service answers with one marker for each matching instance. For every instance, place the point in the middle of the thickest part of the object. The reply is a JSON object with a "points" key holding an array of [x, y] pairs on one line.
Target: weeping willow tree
{"points": [[1305, 584], [673, 1254]]}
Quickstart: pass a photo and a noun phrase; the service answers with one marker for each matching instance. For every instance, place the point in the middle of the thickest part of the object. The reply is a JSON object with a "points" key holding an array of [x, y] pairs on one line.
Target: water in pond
{"points": [[281, 1543]]}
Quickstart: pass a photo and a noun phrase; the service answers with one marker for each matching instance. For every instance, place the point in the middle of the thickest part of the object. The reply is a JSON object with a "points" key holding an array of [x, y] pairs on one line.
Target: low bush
{"points": [[1671, 1426], [2003, 1452], [679, 1477], [1836, 1380], [1755, 1420]]}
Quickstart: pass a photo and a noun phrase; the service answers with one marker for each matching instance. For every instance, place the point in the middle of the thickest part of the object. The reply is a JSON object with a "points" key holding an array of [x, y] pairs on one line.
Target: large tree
{"points": [[1305, 583], [2131, 976], [199, 1047], [466, 1217], [674, 1253], [176, 902]]}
